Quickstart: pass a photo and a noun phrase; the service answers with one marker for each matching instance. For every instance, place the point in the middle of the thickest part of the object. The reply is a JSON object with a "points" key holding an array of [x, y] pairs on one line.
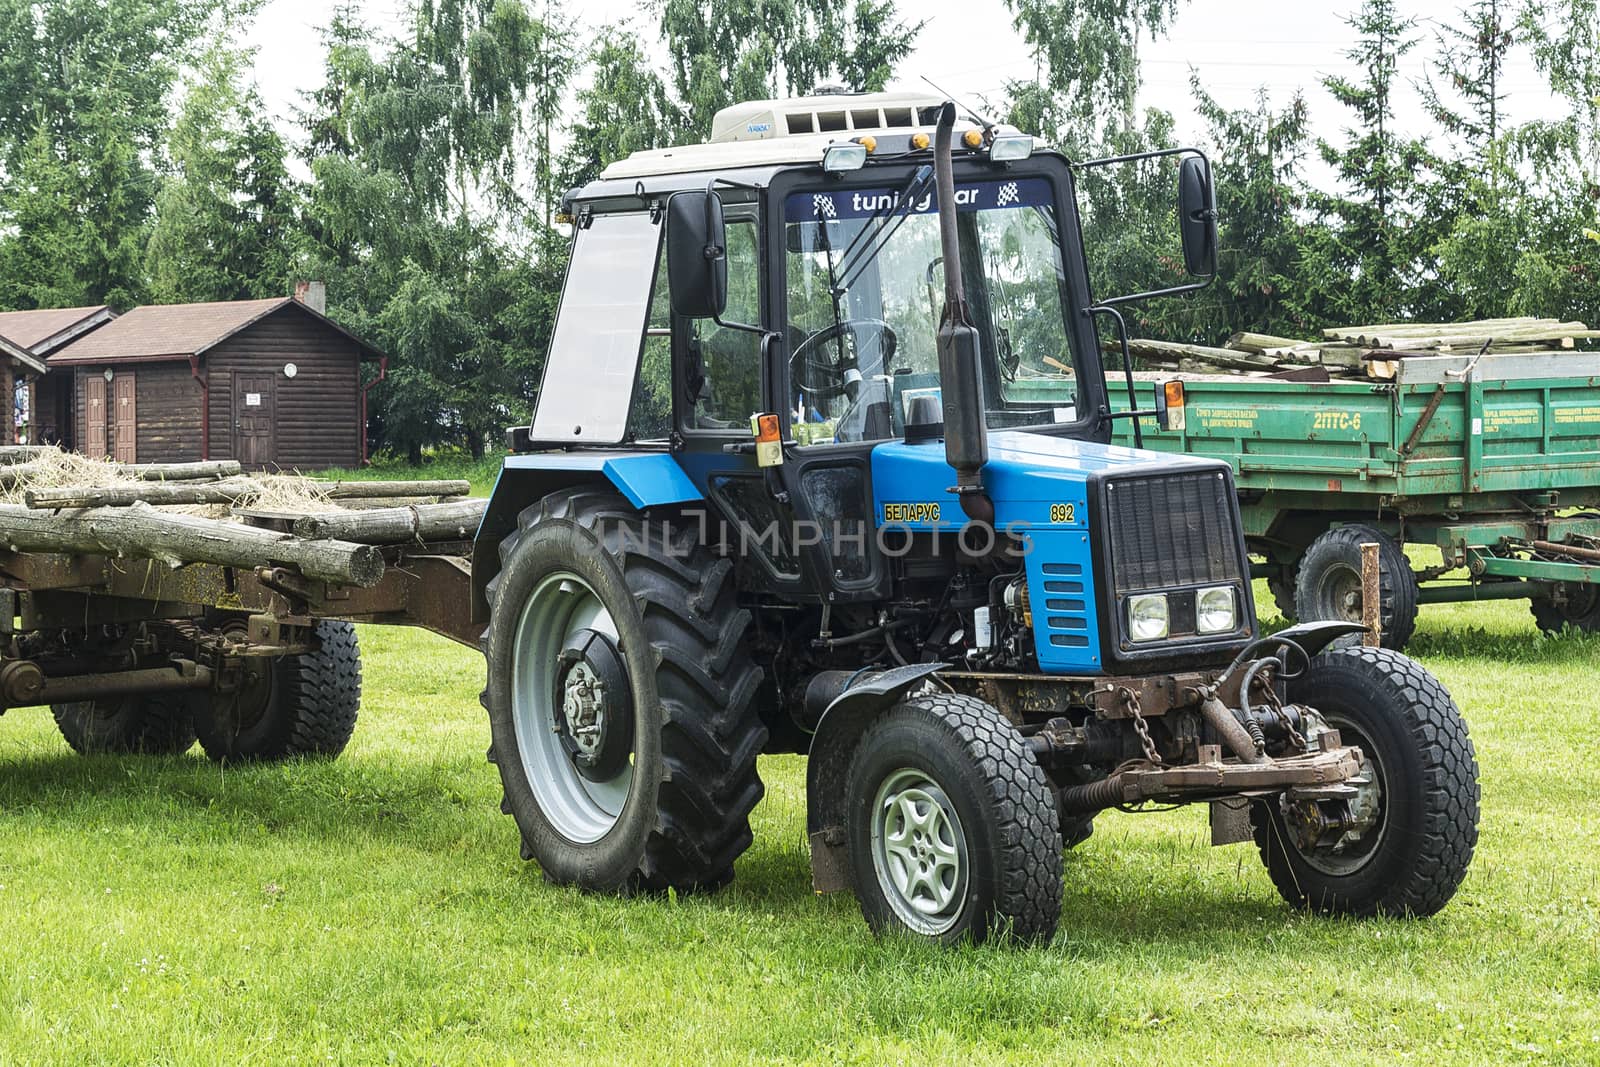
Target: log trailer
{"points": [[782, 492]]}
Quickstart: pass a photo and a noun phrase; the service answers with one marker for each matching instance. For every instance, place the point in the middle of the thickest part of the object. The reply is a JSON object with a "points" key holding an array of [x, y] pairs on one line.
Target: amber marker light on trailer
{"points": [[769, 440], [1172, 394]]}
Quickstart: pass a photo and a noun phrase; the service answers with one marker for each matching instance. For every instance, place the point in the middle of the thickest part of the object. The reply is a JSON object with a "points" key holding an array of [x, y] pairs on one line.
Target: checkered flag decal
{"points": [[1008, 195], [822, 205]]}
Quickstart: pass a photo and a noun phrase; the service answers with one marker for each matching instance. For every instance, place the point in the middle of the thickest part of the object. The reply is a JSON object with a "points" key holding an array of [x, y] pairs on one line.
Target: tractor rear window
{"points": [[594, 354]]}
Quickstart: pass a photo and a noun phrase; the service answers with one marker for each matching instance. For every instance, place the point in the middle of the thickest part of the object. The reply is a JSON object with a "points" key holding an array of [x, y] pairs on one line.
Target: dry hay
{"points": [[52, 468]]}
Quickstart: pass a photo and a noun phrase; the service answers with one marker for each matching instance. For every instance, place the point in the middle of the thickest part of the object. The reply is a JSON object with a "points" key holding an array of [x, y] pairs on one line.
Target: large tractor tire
{"points": [[620, 698], [1418, 787], [1328, 586], [300, 705], [158, 724], [1571, 604], [952, 825]]}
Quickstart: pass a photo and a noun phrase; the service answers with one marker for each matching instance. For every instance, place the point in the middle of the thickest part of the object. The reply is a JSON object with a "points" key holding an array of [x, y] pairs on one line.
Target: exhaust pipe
{"points": [[966, 439]]}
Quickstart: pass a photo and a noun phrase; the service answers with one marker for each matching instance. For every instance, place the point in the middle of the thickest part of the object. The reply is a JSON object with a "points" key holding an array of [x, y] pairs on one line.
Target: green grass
{"points": [[373, 909], [446, 464]]}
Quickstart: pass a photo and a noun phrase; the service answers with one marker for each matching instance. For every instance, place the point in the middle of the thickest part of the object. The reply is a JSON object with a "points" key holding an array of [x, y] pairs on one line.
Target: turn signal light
{"points": [[769, 441], [1172, 398]]}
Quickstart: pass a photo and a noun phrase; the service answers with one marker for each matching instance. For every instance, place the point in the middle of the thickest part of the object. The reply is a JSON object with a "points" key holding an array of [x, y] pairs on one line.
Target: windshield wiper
{"points": [[886, 225]]}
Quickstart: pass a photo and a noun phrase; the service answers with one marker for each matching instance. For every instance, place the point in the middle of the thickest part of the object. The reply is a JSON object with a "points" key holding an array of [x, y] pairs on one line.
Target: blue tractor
{"points": [[819, 465]]}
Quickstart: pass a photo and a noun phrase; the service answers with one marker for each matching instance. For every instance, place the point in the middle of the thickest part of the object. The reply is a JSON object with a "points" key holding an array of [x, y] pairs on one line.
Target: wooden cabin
{"points": [[42, 402], [270, 383]]}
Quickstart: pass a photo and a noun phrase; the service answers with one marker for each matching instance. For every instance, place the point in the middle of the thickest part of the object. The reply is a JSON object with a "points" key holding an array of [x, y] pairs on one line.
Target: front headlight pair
{"points": [[1216, 611]]}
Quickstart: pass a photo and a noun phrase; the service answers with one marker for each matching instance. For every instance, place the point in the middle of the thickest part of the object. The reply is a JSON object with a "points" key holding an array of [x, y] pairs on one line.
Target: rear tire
{"points": [[156, 724], [1414, 856], [675, 812], [301, 705], [952, 825], [1328, 586], [1578, 607]]}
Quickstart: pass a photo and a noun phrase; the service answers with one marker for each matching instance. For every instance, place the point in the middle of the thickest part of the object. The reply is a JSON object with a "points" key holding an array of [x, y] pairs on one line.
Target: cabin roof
{"points": [[159, 332]]}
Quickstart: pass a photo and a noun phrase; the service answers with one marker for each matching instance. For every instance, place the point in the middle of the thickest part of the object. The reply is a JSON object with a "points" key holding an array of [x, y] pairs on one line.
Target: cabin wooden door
{"points": [[94, 416], [125, 418], [252, 418]]}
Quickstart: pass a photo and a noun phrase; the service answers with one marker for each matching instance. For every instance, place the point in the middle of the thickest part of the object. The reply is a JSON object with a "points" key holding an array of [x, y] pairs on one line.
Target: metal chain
{"points": [[1130, 700]]}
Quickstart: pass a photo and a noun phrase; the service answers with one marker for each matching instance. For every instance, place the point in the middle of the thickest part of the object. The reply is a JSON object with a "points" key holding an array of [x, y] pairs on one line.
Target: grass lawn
{"points": [[373, 909]]}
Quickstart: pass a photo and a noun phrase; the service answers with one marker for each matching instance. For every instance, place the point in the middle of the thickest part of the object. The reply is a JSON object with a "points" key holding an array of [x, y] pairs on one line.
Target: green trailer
{"points": [[1494, 461]]}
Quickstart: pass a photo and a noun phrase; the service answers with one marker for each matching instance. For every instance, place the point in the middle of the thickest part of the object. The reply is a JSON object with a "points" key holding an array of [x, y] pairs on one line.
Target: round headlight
{"points": [[1215, 611], [1147, 617]]}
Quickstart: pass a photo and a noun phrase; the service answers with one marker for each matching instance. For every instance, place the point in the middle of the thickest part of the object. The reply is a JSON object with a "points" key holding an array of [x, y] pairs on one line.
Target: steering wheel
{"points": [[821, 377]]}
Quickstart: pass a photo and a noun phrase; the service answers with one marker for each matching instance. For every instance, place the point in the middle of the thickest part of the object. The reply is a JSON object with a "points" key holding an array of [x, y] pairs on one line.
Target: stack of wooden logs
{"points": [[1370, 352], [342, 539]]}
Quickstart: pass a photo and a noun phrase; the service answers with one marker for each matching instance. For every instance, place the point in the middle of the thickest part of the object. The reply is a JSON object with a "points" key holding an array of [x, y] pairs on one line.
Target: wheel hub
{"points": [[595, 719]]}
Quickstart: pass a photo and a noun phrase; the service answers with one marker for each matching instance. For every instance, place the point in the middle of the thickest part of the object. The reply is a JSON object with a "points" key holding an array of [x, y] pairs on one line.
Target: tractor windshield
{"points": [[866, 286]]}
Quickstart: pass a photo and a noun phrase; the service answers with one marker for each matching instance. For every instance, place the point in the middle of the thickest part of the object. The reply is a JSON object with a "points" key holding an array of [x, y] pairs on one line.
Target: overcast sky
{"points": [[971, 49]]}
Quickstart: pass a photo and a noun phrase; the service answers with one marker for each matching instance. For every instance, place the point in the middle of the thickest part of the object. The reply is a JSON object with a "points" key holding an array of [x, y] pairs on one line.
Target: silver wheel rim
{"points": [[919, 852], [580, 810]]}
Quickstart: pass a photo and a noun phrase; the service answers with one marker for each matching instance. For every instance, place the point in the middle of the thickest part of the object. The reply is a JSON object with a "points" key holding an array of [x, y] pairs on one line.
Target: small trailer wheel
{"points": [[156, 724], [1564, 604], [1328, 587], [302, 705], [1418, 792], [952, 825]]}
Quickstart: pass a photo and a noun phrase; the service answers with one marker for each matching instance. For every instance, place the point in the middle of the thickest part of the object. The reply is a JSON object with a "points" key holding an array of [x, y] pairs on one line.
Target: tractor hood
{"points": [[1034, 480]]}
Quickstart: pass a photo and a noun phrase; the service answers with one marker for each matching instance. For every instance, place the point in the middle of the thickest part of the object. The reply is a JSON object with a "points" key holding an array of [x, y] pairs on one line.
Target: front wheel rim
{"points": [[919, 852], [579, 809]]}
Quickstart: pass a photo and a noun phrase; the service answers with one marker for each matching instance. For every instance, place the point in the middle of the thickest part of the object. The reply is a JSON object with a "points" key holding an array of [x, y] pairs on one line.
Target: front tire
{"points": [[300, 705], [156, 724], [1422, 784], [952, 825], [620, 698]]}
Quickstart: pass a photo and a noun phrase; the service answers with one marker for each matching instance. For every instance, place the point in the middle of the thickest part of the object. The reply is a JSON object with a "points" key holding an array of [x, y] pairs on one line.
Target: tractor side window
{"points": [[650, 416], [724, 365]]}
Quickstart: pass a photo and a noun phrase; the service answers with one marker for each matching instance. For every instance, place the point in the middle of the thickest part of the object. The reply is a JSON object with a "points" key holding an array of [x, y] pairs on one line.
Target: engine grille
{"points": [[1171, 530]]}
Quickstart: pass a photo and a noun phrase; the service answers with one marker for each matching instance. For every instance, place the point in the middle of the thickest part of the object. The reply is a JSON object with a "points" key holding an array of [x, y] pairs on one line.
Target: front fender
{"points": [[843, 722]]}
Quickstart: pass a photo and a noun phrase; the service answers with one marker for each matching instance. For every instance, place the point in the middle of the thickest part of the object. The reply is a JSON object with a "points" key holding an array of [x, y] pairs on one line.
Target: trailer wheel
{"points": [[952, 825], [157, 724], [620, 698], [1328, 586], [302, 705], [1418, 791], [1281, 586], [1563, 604]]}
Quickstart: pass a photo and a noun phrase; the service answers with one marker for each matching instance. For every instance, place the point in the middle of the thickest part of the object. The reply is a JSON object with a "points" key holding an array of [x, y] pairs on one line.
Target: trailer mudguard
{"points": [[645, 479]]}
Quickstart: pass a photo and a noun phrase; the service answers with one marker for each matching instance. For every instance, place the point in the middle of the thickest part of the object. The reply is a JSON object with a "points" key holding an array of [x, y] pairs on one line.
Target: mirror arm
{"points": [[1106, 308]]}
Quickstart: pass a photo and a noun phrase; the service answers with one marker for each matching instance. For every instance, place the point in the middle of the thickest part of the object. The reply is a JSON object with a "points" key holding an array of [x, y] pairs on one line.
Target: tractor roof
{"points": [[766, 133]]}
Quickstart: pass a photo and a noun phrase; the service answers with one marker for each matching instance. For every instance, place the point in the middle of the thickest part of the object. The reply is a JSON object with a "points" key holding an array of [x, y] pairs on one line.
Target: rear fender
{"points": [[645, 479], [832, 746]]}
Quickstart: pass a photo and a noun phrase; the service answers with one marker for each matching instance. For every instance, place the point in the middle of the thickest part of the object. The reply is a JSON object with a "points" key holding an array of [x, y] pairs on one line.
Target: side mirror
{"points": [[1197, 216], [697, 255]]}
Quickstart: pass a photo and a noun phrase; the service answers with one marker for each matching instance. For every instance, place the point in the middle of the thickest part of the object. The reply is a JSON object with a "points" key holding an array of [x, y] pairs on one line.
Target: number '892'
{"points": [[1063, 512]]}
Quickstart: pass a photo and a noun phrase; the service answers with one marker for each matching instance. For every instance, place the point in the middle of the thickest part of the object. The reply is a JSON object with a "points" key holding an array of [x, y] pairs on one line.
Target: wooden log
{"points": [[182, 472], [22, 453], [228, 491], [1356, 334], [393, 526], [142, 532], [16, 474], [346, 490], [1262, 343]]}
